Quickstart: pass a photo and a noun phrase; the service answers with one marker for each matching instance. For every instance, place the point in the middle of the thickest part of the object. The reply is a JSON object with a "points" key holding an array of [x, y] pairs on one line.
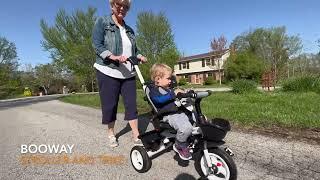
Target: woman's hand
{"points": [[121, 59], [142, 59]]}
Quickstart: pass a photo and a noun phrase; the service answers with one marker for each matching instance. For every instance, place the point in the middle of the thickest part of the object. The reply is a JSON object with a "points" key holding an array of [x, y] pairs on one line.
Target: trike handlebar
{"points": [[194, 95]]}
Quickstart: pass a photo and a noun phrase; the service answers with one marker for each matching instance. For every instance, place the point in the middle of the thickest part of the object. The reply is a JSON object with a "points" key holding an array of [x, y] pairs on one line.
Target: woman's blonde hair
{"points": [[159, 70], [125, 2]]}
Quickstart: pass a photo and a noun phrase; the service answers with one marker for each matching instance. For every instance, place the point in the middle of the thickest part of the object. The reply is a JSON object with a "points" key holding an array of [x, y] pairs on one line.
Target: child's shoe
{"points": [[183, 152]]}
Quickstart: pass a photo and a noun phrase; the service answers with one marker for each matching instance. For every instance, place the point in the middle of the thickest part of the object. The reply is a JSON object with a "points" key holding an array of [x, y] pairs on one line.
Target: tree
{"points": [[155, 40], [8, 55], [46, 74], [69, 42], [273, 45], [28, 77], [305, 64], [9, 80], [244, 65], [318, 45], [217, 46]]}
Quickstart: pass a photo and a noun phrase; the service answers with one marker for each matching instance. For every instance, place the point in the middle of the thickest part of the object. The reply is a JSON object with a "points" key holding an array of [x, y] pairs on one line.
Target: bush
{"points": [[302, 84], [242, 86], [225, 81], [182, 81], [244, 65], [27, 92], [209, 81]]}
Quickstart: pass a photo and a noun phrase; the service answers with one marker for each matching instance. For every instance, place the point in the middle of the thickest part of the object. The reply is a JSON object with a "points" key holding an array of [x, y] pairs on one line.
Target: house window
{"points": [[203, 63], [197, 79], [209, 74], [213, 62], [184, 65], [208, 62]]}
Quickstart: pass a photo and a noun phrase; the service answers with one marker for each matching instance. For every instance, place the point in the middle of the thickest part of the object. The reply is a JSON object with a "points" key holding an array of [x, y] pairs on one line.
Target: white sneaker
{"points": [[113, 141], [138, 142]]}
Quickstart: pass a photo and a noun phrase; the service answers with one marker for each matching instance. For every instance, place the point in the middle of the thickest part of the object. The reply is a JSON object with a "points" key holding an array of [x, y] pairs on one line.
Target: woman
{"points": [[114, 41]]}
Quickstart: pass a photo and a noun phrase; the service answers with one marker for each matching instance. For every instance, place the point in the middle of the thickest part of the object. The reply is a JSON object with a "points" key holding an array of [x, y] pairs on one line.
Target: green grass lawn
{"points": [[94, 101], [13, 96], [216, 85], [292, 110], [296, 110]]}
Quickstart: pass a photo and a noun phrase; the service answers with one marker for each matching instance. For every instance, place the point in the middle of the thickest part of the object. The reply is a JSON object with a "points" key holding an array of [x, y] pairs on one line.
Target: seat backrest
{"points": [[157, 112], [147, 93]]}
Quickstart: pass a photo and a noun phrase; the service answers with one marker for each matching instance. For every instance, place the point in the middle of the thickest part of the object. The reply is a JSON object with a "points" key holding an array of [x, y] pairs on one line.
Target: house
{"points": [[197, 68]]}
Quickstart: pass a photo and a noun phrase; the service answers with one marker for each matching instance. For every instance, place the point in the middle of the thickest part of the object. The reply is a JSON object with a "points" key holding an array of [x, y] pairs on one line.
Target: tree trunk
{"points": [[219, 77], [275, 75], [92, 85], [288, 70], [45, 90], [293, 71], [219, 72]]}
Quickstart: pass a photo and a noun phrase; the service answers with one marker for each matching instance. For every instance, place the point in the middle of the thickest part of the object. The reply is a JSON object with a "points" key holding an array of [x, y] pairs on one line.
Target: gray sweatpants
{"points": [[180, 122]]}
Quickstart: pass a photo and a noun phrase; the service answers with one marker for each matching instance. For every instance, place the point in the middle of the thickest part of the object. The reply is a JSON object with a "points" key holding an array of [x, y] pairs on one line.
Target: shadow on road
{"points": [[143, 122], [181, 162], [184, 176]]}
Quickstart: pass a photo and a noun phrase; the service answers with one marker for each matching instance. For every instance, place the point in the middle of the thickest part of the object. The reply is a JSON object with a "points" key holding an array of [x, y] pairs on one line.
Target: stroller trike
{"points": [[211, 160]]}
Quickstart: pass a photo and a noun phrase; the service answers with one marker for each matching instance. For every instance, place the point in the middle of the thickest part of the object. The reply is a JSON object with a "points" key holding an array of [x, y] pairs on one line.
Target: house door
{"points": [[197, 79]]}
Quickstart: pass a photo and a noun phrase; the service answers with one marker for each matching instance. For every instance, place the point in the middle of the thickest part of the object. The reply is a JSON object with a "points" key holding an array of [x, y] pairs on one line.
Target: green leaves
{"points": [[154, 33], [306, 83], [69, 42], [272, 45], [9, 80], [244, 65], [155, 40], [8, 54]]}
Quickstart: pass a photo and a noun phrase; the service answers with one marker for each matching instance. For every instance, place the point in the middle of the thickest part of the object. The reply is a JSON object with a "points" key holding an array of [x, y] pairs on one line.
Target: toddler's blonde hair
{"points": [[159, 70]]}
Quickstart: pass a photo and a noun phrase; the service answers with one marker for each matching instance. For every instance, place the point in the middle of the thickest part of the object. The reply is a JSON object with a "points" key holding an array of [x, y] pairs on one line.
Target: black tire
{"points": [[221, 156], [140, 159]]}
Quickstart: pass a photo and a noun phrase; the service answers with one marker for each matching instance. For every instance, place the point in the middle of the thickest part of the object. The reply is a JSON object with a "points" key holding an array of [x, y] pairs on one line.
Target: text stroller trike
{"points": [[211, 160]]}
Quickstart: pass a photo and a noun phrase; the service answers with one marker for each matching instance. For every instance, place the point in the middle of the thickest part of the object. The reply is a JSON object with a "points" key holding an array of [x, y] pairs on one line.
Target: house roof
{"points": [[204, 55]]}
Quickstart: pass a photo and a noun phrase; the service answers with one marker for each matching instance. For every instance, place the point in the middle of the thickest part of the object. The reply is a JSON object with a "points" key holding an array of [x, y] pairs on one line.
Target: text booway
{"points": [[46, 148]]}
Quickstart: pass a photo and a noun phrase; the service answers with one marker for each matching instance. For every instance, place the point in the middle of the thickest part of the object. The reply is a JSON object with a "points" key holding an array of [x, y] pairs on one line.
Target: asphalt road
{"points": [[53, 122]]}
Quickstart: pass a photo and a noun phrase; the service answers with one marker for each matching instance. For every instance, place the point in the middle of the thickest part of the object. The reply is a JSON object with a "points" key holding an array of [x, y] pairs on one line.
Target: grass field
{"points": [[292, 110], [94, 101], [297, 110], [216, 85]]}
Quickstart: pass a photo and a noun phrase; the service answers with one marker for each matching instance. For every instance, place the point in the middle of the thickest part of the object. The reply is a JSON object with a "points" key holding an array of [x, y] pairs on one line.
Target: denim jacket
{"points": [[107, 40]]}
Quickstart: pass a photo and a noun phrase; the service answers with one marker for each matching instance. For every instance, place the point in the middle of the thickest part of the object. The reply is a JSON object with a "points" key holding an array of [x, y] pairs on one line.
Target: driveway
{"points": [[57, 123]]}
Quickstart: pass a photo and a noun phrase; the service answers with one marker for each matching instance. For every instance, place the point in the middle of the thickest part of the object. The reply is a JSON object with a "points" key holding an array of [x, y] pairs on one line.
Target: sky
{"points": [[193, 22]]}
